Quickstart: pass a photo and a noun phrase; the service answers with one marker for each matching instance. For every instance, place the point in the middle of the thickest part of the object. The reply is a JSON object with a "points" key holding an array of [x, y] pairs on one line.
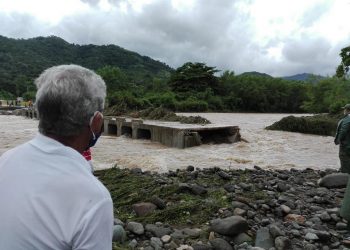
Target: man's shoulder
{"points": [[346, 119], [11, 153]]}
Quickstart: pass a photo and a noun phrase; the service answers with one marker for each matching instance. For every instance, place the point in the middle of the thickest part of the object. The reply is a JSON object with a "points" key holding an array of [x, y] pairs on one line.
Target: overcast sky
{"points": [[277, 37]]}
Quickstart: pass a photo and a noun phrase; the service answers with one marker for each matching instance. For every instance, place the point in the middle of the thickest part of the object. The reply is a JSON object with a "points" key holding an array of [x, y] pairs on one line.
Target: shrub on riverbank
{"points": [[317, 124]]}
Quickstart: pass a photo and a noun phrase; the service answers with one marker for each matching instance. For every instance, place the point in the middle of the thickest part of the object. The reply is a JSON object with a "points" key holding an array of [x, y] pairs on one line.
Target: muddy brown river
{"points": [[267, 149]]}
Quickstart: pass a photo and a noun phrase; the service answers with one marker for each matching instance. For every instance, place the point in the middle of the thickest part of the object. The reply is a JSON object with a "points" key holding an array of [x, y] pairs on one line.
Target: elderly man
{"points": [[49, 198], [342, 138]]}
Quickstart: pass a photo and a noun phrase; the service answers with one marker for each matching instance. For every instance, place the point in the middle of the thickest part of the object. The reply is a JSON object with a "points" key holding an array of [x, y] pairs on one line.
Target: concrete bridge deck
{"points": [[172, 134]]}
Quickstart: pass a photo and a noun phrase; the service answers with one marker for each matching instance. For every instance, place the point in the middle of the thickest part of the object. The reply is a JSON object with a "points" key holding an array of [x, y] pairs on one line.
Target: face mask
{"points": [[94, 138]]}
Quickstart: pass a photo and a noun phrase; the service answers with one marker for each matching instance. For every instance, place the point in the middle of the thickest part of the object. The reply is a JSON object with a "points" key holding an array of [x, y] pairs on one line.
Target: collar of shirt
{"points": [[51, 146]]}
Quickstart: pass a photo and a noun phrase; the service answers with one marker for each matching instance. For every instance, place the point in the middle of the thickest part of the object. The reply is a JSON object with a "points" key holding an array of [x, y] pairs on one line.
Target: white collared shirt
{"points": [[50, 200]]}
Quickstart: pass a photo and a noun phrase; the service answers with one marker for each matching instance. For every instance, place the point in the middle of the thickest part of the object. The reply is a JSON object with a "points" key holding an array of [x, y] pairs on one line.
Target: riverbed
{"points": [[264, 148]]}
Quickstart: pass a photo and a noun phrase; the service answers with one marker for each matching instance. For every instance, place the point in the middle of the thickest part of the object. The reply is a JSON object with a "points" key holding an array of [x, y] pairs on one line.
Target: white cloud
{"points": [[277, 37]]}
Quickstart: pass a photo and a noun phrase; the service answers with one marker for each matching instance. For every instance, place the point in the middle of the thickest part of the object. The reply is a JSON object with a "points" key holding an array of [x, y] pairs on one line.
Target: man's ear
{"points": [[97, 122]]}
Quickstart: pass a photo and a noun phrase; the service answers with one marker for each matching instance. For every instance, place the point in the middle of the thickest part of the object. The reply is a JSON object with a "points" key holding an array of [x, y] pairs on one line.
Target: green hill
{"points": [[22, 60]]}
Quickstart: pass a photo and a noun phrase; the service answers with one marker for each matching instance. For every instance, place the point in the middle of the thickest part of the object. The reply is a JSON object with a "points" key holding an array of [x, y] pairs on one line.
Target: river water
{"points": [[267, 149]]}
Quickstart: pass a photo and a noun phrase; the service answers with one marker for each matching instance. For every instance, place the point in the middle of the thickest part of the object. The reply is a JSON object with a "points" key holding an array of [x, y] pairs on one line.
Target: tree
{"points": [[193, 77], [115, 78], [343, 67]]}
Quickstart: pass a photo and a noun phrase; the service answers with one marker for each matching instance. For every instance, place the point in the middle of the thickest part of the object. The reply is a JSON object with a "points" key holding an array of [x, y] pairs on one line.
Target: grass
{"points": [[128, 188]]}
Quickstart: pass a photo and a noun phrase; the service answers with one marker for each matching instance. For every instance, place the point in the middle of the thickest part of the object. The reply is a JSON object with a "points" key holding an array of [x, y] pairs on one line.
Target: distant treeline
{"points": [[136, 82]]}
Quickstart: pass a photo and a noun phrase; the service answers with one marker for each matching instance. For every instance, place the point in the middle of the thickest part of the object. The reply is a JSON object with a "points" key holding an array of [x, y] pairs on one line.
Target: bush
{"points": [[166, 100], [192, 105], [125, 101], [4, 95], [318, 124]]}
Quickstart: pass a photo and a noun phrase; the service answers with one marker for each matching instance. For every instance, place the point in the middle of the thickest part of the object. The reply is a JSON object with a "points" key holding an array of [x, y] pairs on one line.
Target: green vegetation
{"points": [[22, 60], [128, 188], [136, 82], [318, 124]]}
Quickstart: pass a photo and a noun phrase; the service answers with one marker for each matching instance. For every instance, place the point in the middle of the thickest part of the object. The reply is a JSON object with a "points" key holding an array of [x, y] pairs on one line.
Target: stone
{"points": [[190, 168], [156, 243], [341, 226], [158, 231], [184, 247], [166, 238], [295, 217], [220, 244], [238, 204], [241, 238], [229, 226], [158, 202], [285, 209], [198, 190], [224, 175], [201, 247], [211, 236], [325, 216], [311, 236], [282, 243], [192, 233], [336, 180], [194, 189], [133, 244], [229, 187], [238, 211], [282, 187], [135, 227], [136, 171], [263, 238], [323, 235], [275, 231], [177, 234], [245, 186], [119, 234], [144, 208], [118, 222]]}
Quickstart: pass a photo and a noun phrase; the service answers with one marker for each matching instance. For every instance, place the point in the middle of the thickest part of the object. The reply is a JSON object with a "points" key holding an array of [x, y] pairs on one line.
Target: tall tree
{"points": [[343, 68], [195, 77]]}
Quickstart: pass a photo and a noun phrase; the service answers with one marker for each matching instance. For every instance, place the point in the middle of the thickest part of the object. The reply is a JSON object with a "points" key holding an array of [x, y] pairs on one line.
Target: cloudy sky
{"points": [[277, 37]]}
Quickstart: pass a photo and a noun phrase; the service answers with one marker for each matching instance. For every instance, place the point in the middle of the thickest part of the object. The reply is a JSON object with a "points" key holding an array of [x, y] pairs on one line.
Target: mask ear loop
{"points": [[92, 117]]}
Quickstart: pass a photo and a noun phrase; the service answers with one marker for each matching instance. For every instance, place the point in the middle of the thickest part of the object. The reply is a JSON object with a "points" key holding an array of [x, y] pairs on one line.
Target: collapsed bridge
{"points": [[171, 134]]}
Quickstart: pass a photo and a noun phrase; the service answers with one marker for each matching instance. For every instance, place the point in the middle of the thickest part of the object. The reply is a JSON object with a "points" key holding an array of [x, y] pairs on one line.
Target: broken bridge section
{"points": [[171, 134]]}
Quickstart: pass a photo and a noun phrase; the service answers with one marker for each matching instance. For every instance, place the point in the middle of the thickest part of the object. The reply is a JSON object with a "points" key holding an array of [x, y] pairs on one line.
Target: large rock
{"points": [[135, 227], [229, 226], [119, 234], [263, 238], [295, 217], [158, 231], [241, 238], [192, 188], [282, 243], [144, 208], [220, 244], [337, 180]]}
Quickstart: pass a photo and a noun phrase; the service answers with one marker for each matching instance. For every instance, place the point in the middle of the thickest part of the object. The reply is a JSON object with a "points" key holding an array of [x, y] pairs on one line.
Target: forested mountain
{"points": [[22, 60], [255, 73], [304, 77]]}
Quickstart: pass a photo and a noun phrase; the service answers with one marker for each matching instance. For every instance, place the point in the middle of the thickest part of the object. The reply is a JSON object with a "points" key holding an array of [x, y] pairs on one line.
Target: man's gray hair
{"points": [[67, 97]]}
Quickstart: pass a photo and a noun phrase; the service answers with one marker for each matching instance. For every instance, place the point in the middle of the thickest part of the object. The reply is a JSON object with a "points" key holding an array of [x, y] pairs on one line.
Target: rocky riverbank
{"points": [[226, 209]]}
